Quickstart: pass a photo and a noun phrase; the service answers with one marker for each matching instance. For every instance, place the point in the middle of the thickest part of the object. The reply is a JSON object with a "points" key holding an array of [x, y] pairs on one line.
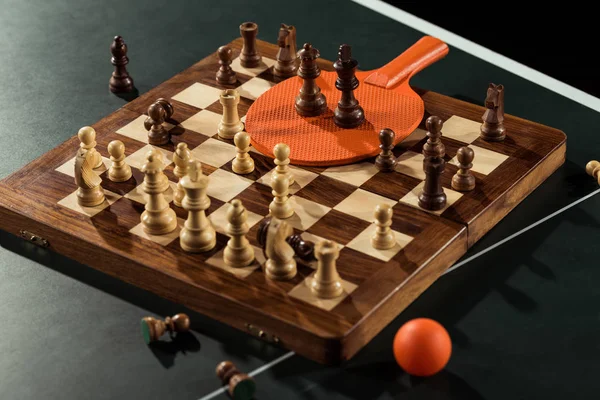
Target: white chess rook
{"points": [[197, 235], [326, 282], [238, 252], [230, 122]]}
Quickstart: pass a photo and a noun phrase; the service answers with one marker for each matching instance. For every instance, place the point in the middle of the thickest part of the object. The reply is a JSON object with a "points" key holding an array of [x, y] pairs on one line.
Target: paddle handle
{"points": [[420, 55]]}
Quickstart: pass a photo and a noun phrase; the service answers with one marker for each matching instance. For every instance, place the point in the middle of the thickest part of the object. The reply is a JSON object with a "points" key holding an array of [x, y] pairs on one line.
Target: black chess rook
{"points": [[348, 114]]}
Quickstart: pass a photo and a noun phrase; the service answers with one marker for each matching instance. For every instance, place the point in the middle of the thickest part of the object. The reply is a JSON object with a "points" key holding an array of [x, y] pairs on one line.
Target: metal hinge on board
{"points": [[263, 335], [33, 238]]}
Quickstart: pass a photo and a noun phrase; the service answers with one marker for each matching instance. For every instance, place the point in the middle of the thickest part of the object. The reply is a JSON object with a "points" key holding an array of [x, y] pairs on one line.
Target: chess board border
{"points": [[24, 216]]}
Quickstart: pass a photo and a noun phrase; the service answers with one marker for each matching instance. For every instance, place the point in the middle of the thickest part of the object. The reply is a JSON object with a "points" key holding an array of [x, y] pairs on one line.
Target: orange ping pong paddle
{"points": [[384, 94]]}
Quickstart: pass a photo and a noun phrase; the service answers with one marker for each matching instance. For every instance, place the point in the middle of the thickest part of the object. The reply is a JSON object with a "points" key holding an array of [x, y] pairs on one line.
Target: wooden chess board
{"points": [[38, 203]]}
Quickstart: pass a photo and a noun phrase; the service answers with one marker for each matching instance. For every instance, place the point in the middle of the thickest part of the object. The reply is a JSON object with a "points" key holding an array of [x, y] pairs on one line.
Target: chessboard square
{"points": [[218, 218], [71, 202], [303, 292], [163, 240], [361, 204], [136, 130], [362, 243], [306, 213], [412, 199], [355, 174], [225, 185], [461, 129], [138, 158], [138, 195], [301, 176], [484, 160], [339, 226], [205, 122], [214, 152], [254, 88], [68, 168], [242, 272], [411, 164], [264, 64], [198, 95]]}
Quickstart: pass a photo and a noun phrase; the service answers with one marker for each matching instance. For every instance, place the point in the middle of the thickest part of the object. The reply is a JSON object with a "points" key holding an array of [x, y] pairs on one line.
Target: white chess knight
{"points": [[89, 192]]}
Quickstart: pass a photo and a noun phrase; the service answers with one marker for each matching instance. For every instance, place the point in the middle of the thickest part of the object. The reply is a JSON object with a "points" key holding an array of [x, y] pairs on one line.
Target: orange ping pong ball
{"points": [[422, 347]]}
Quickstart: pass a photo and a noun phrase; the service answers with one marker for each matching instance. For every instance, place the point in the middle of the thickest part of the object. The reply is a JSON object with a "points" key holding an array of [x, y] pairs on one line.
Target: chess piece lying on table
{"points": [[303, 249], [593, 169], [153, 329], [240, 386]]}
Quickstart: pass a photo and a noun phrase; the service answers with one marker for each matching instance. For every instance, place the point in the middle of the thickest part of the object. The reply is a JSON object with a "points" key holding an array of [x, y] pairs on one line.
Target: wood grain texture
{"points": [[29, 201]]}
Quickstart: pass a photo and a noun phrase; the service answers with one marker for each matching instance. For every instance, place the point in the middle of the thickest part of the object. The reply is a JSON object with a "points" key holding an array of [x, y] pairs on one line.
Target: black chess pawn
{"points": [[349, 113], [386, 161], [120, 81], [225, 75], [157, 115], [310, 102], [153, 329], [239, 385], [463, 180]]}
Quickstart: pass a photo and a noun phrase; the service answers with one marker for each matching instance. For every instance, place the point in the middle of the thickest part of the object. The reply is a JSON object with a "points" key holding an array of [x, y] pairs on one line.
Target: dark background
{"points": [[558, 41]]}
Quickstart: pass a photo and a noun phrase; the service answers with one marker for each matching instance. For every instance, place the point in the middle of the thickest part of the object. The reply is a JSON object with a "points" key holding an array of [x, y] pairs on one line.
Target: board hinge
{"points": [[262, 334], [33, 238]]}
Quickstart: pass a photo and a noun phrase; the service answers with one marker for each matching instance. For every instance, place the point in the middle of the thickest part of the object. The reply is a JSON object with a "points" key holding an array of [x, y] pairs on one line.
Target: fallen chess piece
{"points": [[303, 249], [593, 169], [153, 329], [239, 385]]}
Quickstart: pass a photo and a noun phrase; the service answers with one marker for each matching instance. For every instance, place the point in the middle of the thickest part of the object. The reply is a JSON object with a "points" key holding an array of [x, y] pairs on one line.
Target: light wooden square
{"points": [[411, 163], [461, 129], [361, 204], [254, 88], [301, 176], [138, 194], [163, 240], [362, 243], [484, 161], [71, 202], [68, 168], [214, 152], [198, 95], [303, 292], [205, 122], [265, 64], [259, 259], [306, 212], [415, 137], [224, 185], [355, 174], [412, 198], [218, 218], [138, 158], [136, 130]]}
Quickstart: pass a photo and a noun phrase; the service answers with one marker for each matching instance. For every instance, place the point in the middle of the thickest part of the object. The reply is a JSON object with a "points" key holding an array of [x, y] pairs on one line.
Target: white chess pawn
{"points": [[230, 122], [280, 206], [242, 163], [158, 218], [383, 238], [87, 137], [119, 171], [281, 151], [238, 252]]}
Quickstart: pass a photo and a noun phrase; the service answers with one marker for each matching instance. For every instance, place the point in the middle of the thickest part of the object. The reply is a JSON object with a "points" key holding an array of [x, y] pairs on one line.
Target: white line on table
{"points": [[252, 374], [483, 53], [514, 235]]}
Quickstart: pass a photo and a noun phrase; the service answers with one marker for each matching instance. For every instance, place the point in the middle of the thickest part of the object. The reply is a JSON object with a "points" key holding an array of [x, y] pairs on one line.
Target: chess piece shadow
{"points": [[128, 96], [166, 350]]}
